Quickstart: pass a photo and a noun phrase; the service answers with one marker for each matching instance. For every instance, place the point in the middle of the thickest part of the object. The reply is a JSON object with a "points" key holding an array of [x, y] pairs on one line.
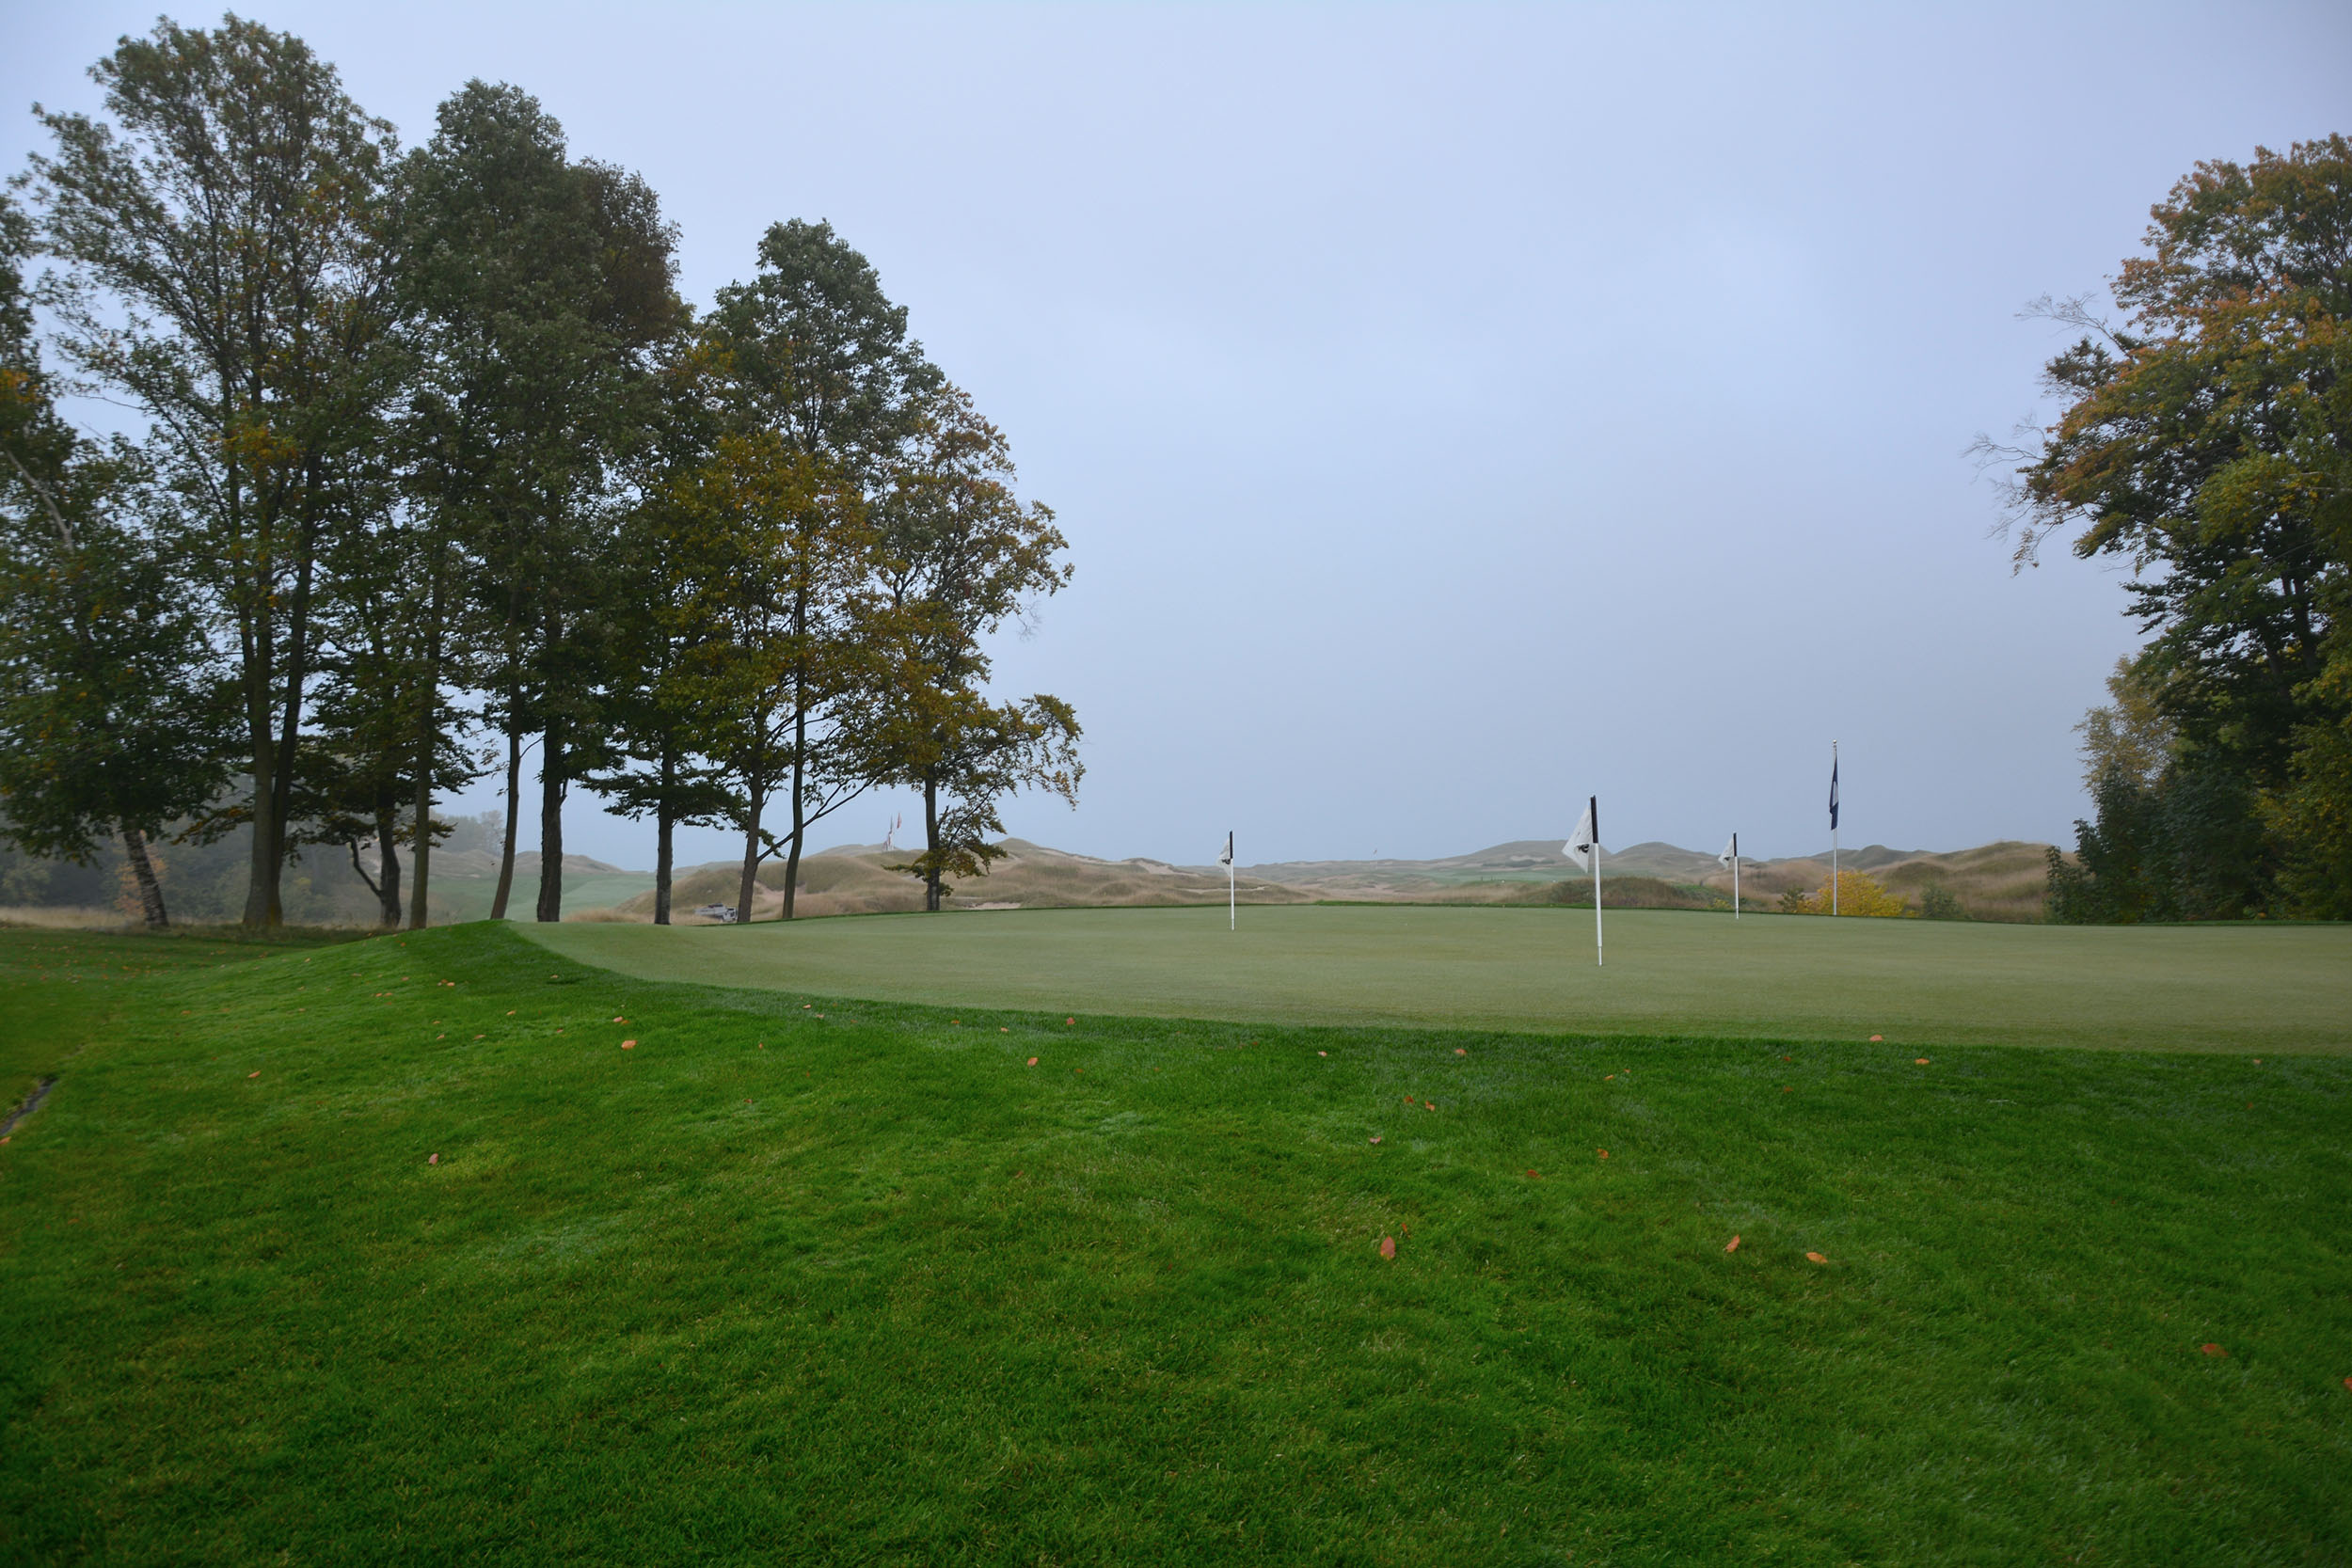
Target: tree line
{"points": [[2206, 445], [438, 471]]}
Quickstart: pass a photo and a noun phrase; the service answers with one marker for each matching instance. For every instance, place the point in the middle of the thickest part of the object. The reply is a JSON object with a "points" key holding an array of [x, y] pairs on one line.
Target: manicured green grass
{"points": [[2256, 990], [853, 1282]]}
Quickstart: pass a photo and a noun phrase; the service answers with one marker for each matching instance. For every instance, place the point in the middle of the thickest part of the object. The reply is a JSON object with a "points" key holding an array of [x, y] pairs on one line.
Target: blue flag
{"points": [[1833, 794]]}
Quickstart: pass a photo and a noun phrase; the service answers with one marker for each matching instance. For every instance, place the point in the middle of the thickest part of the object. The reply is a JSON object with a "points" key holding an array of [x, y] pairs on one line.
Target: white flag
{"points": [[1731, 850], [1581, 846], [1227, 858]]}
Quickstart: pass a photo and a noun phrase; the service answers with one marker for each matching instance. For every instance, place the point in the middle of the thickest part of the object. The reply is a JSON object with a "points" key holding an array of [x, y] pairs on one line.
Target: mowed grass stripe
{"points": [[2244, 988], [867, 1286]]}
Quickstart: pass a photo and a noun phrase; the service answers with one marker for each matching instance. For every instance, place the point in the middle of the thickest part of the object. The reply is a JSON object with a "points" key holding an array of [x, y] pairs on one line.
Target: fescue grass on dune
{"points": [[795, 1278]]}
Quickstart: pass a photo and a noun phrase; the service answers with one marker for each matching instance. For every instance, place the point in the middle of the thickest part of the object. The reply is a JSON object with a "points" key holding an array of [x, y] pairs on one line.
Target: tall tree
{"points": [[225, 239], [2207, 442], [792, 635], [962, 555], [112, 717], [654, 704], [819, 360], [541, 284]]}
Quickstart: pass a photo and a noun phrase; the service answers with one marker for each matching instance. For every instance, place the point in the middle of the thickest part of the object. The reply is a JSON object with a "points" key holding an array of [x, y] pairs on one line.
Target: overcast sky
{"points": [[1455, 411]]}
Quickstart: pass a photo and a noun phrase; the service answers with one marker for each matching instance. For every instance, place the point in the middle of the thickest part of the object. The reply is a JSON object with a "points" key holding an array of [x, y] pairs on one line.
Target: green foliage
{"points": [[430, 426], [2208, 442]]}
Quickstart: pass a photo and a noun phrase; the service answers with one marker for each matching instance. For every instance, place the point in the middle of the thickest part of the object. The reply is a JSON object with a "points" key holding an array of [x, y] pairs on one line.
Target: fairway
{"points": [[2251, 989], [440, 1247]]}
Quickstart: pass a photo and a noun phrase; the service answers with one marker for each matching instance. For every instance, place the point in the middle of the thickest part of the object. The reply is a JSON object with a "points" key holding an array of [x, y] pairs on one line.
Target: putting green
{"points": [[2251, 989]]}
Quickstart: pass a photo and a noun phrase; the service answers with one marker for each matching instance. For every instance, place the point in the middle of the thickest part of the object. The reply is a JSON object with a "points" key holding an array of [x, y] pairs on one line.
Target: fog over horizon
{"points": [[1455, 412]]}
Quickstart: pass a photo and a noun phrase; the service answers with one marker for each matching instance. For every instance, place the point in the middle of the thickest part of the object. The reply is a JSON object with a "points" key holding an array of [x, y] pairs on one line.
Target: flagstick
{"points": [[1735, 876], [1833, 830], [1600, 955]]}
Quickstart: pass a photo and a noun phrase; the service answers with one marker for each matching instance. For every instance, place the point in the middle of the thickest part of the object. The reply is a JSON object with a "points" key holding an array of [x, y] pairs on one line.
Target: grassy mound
{"points": [[794, 1280]]}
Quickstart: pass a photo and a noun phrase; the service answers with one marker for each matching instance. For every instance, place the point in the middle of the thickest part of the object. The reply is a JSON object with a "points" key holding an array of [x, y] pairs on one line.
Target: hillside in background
{"points": [[1994, 882]]}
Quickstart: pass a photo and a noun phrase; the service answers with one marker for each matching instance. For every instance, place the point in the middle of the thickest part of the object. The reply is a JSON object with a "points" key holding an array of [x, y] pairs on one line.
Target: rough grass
{"points": [[801, 1280], [2256, 990]]}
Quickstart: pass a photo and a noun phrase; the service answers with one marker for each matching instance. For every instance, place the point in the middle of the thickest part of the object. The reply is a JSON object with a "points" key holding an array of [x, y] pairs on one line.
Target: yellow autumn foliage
{"points": [[1857, 893]]}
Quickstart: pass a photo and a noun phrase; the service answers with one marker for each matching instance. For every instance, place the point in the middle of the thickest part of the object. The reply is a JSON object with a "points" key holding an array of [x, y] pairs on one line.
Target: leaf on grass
{"points": [[1033, 1061], [1388, 1247], [1918, 1061], [620, 1020], [255, 1073], [1376, 1137], [1323, 1052], [432, 1159], [1459, 1051], [1732, 1245], [1430, 1104], [628, 1045], [2213, 1350], [1070, 1020], [1876, 1038], [1814, 1257], [1533, 1176], [1602, 1152]]}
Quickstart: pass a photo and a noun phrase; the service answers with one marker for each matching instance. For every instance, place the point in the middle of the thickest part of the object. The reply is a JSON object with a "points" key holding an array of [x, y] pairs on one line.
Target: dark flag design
{"points": [[1833, 795]]}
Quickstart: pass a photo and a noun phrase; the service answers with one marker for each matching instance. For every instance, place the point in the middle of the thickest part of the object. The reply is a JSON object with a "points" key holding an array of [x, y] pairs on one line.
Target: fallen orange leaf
{"points": [[255, 1073], [1430, 1104], [620, 1020], [1376, 1137], [628, 1045], [1918, 1061], [1732, 1245], [1033, 1061], [1603, 1153], [1533, 1176], [1070, 1020], [1814, 1257], [1388, 1247], [1875, 1038], [1323, 1052], [432, 1159], [2213, 1350], [1459, 1051]]}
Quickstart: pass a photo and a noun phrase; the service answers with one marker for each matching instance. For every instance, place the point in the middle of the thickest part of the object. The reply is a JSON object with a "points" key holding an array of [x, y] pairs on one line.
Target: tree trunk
{"points": [[419, 907], [387, 872], [663, 825], [800, 826], [261, 890], [755, 798], [550, 908], [289, 720], [143, 869], [931, 844], [513, 813]]}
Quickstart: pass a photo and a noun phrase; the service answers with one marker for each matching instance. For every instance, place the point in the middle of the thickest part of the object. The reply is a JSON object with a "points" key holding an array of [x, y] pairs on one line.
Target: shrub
{"points": [[1938, 902], [1856, 894]]}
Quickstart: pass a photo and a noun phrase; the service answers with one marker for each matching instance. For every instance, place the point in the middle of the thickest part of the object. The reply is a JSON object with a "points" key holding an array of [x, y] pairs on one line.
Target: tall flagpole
{"points": [[1833, 827], [1232, 919], [1735, 876], [1600, 954]]}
